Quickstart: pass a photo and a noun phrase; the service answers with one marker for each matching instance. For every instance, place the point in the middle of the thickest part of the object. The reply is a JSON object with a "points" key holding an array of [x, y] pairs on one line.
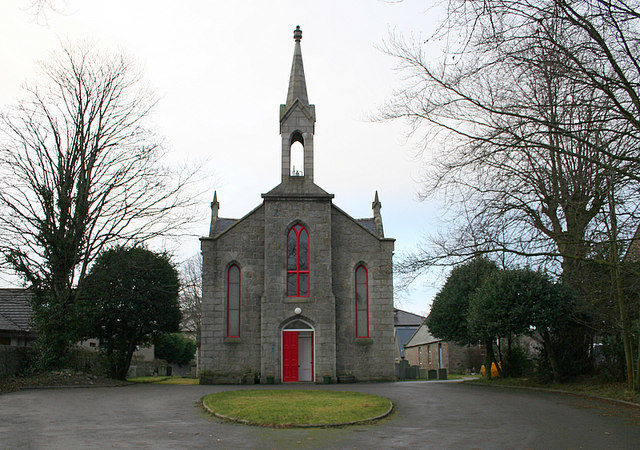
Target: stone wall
{"points": [[242, 244], [337, 244], [455, 358], [281, 213], [372, 358]]}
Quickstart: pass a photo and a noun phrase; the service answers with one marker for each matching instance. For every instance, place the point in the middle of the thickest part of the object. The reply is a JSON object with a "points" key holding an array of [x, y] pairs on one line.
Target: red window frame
{"points": [[298, 230], [239, 297], [355, 276]]}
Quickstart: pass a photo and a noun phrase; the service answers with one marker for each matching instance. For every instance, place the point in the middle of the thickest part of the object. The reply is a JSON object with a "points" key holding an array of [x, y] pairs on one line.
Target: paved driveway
{"points": [[429, 415]]}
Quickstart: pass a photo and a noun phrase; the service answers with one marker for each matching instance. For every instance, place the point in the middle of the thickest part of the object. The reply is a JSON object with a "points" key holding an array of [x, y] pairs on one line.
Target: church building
{"points": [[297, 290]]}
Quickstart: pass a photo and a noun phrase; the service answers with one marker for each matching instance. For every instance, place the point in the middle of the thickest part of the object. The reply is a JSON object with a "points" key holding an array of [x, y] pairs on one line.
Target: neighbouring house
{"points": [[405, 325], [15, 318], [297, 290], [633, 251], [15, 315], [428, 352]]}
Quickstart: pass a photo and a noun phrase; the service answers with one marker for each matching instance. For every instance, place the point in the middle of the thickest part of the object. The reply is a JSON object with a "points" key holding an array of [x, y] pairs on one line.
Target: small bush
{"points": [[88, 361], [175, 348], [16, 360], [517, 363]]}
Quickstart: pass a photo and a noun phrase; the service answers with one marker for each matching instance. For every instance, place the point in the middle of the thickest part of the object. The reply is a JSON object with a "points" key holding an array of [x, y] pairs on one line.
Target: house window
{"points": [[233, 301], [362, 302], [298, 262], [428, 354]]}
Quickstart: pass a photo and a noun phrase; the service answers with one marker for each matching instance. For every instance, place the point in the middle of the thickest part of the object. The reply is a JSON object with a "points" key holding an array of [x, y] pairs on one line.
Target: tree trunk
{"points": [[553, 362], [488, 358], [637, 378], [492, 359], [617, 291]]}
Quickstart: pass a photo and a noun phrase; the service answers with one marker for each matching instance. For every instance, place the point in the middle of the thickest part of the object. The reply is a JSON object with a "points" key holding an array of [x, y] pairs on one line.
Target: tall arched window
{"points": [[362, 302], [298, 262], [233, 301]]}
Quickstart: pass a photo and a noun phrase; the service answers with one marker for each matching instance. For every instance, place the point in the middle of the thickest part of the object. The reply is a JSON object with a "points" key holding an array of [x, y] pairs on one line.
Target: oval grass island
{"points": [[297, 408]]}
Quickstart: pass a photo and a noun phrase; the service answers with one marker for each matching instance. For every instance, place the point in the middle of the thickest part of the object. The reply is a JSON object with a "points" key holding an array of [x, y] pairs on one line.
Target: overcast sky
{"points": [[221, 69]]}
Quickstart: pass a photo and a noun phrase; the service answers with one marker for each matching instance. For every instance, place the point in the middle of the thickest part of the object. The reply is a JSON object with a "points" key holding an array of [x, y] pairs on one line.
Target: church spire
{"points": [[297, 83], [297, 123]]}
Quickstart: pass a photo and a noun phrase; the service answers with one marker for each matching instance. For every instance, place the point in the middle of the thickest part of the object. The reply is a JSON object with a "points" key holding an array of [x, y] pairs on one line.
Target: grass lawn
{"points": [[586, 385], [165, 380], [459, 376], [450, 376], [296, 407]]}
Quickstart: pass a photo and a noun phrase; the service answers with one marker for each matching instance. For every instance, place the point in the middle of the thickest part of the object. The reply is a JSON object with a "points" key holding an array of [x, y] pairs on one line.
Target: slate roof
{"points": [[402, 337], [421, 336], [633, 251], [222, 224], [369, 224], [15, 311], [406, 319]]}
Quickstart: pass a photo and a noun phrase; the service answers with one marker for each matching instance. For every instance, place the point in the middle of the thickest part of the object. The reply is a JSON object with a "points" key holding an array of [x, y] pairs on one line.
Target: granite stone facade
{"points": [[257, 244]]}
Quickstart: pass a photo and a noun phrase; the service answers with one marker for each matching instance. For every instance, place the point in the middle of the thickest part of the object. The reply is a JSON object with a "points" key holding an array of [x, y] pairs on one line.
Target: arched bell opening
{"points": [[296, 155]]}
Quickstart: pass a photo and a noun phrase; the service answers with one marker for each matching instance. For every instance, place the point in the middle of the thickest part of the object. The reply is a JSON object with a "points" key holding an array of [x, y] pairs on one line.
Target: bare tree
{"points": [[80, 171], [191, 296], [523, 184], [600, 49], [40, 9], [533, 148]]}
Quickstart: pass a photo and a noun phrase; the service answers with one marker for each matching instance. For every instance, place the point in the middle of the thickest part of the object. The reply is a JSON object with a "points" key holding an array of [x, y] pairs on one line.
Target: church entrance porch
{"points": [[298, 352]]}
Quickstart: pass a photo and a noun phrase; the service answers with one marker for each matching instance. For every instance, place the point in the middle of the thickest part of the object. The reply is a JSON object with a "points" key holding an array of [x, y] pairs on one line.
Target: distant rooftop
{"points": [[422, 336], [406, 319], [15, 310]]}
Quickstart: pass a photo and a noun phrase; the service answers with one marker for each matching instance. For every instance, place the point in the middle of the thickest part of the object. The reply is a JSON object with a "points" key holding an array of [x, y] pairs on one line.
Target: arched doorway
{"points": [[298, 352]]}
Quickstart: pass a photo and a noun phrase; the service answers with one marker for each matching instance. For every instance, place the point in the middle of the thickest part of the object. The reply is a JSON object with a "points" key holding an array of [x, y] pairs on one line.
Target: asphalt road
{"points": [[428, 415]]}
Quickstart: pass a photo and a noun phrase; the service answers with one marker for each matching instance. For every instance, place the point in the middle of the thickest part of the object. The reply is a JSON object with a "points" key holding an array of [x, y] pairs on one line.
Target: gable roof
{"points": [[368, 224], [633, 251], [421, 336], [406, 319], [365, 224], [15, 310], [222, 224]]}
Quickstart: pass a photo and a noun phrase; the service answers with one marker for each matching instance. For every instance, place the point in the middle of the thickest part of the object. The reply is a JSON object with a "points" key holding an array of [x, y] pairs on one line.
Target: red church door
{"points": [[289, 356]]}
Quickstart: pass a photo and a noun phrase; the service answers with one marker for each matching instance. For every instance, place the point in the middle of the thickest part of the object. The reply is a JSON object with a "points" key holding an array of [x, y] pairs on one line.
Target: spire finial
{"points": [[297, 83], [377, 218], [215, 207]]}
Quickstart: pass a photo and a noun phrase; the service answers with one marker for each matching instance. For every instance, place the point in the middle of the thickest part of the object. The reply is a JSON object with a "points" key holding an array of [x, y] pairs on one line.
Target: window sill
{"points": [[232, 340], [296, 300], [364, 341]]}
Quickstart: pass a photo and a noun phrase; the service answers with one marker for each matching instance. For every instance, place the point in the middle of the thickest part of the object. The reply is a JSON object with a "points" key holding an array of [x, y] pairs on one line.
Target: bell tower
{"points": [[297, 124]]}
